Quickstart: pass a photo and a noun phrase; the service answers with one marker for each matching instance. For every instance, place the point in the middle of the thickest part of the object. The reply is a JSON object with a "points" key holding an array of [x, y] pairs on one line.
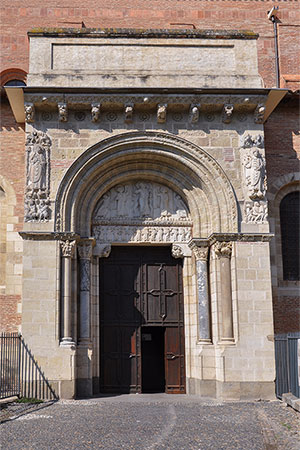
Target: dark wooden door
{"points": [[140, 287]]}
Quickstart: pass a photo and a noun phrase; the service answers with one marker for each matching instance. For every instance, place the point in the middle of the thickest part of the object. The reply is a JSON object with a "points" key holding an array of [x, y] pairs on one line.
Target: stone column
{"points": [[204, 332], [223, 253], [67, 250], [85, 248]]}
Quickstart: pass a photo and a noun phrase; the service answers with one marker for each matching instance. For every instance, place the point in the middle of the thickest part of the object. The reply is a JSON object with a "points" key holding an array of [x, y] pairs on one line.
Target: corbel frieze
{"points": [[192, 105]]}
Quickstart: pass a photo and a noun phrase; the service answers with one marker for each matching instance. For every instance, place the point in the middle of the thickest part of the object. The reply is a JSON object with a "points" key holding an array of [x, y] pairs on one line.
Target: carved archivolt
{"points": [[37, 201], [109, 167]]}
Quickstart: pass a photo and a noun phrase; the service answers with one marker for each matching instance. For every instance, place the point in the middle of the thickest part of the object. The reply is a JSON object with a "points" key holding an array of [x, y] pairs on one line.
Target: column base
{"points": [[67, 342]]}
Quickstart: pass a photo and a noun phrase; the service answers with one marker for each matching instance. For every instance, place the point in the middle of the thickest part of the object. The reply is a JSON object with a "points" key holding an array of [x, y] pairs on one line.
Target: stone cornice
{"points": [[214, 100], [138, 33]]}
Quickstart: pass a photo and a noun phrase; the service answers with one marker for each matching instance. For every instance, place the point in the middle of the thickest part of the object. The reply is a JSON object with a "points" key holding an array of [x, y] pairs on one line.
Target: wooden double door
{"points": [[141, 321]]}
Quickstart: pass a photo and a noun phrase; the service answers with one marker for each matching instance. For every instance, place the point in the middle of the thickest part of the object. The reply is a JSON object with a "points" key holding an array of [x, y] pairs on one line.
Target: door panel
{"points": [[174, 360], [140, 287]]}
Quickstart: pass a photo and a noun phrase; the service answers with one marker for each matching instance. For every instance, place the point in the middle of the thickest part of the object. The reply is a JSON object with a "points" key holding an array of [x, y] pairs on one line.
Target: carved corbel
{"points": [[162, 113], [128, 113], [62, 112], [180, 250], [95, 111], [194, 113], [102, 250], [29, 112], [227, 113], [259, 113]]}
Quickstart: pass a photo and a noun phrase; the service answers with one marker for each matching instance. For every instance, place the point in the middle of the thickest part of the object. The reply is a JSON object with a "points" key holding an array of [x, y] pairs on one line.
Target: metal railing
{"points": [[20, 374], [287, 364]]}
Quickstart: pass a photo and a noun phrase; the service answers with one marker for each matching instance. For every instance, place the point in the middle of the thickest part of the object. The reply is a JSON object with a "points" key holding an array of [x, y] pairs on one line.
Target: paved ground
{"points": [[148, 422]]}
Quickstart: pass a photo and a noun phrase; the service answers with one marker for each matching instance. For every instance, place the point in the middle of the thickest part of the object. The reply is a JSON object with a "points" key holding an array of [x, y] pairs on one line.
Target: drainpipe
{"points": [[272, 15]]}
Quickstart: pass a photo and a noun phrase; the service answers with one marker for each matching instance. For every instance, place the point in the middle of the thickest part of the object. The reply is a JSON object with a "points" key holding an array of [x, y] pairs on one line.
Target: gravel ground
{"points": [[147, 422]]}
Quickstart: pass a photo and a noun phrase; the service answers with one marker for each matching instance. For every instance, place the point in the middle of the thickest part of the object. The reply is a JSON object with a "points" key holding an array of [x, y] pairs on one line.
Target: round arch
{"points": [[158, 157]]}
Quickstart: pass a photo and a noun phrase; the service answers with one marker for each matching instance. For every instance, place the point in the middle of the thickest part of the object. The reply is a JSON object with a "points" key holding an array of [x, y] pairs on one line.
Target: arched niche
{"points": [[153, 157]]}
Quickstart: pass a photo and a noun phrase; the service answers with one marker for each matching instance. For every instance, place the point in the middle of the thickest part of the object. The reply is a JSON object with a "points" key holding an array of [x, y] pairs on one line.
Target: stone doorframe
{"points": [[153, 157]]}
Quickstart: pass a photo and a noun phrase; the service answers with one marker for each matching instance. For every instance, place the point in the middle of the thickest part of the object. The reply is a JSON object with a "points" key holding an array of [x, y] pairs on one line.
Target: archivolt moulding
{"points": [[156, 157]]}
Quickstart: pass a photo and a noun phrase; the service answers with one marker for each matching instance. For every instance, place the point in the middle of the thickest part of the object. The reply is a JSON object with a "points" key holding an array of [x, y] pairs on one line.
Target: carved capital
{"points": [[162, 113], [29, 112], [227, 113], [223, 249], [201, 253], [68, 248], [95, 111], [62, 112], [85, 249]]}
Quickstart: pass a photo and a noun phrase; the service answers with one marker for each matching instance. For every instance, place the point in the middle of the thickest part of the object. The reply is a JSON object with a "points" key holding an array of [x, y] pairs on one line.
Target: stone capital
{"points": [[223, 249], [85, 248], [68, 248]]}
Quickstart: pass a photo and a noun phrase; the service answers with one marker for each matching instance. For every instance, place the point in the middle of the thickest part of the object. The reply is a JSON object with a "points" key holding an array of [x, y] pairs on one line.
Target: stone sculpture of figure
{"points": [[143, 199], [227, 113], [128, 113], [161, 113], [95, 111], [103, 207], [194, 114], [255, 174], [62, 112], [29, 112], [37, 167], [256, 212], [44, 210], [259, 113]]}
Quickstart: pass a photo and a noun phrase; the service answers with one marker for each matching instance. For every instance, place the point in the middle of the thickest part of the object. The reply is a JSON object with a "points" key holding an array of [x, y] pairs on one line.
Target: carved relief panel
{"points": [[37, 190], [254, 182], [141, 212]]}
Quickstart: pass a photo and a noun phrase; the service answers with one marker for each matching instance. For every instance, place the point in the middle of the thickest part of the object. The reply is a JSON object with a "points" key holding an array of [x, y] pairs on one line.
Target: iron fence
{"points": [[20, 373], [287, 364]]}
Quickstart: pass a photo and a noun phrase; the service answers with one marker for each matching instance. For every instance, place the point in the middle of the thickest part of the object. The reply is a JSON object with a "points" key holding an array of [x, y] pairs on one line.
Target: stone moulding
{"points": [[142, 33], [230, 237], [155, 148], [48, 236]]}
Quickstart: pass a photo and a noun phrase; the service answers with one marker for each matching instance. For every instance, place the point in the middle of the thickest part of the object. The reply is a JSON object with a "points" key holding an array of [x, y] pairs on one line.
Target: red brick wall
{"points": [[9, 318], [286, 314], [282, 136], [18, 17]]}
